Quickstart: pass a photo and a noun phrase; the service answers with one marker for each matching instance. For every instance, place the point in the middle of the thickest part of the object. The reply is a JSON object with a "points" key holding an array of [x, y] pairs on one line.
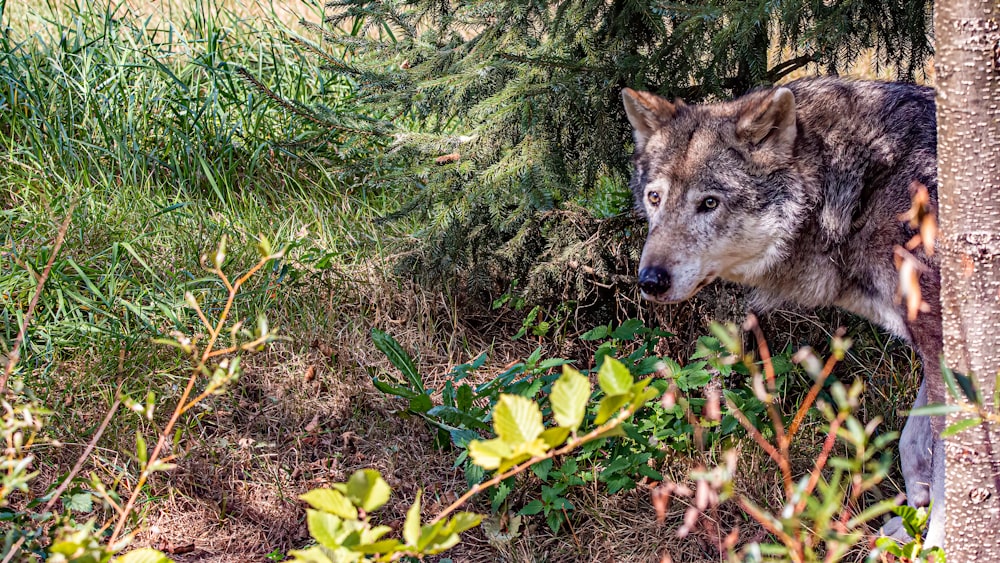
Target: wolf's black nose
{"points": [[654, 281]]}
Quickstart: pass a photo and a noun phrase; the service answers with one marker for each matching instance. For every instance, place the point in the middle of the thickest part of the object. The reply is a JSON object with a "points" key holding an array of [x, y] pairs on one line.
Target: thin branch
{"points": [[183, 404], [811, 396], [566, 448], [782, 461], [15, 352]]}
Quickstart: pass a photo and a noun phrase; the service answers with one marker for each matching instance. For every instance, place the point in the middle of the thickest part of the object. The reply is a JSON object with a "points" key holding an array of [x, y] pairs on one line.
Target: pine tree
{"points": [[509, 134]]}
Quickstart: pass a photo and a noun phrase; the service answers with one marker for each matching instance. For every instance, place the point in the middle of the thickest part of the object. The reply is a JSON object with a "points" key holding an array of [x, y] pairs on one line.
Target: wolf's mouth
{"points": [[662, 298]]}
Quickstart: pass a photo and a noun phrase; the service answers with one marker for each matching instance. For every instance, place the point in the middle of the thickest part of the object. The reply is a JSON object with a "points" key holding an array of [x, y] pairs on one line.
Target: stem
{"points": [[811, 396], [14, 355], [566, 448], [183, 404], [782, 461]]}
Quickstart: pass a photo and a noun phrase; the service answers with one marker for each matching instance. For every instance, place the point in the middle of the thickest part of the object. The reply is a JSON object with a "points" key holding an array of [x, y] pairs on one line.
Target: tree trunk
{"points": [[967, 63]]}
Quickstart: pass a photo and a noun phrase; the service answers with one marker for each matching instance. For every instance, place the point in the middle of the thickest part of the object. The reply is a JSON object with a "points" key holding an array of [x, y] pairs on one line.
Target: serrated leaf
{"points": [[324, 527], [627, 330], [532, 508], [411, 528], [367, 490], [517, 420], [596, 333], [399, 358], [489, 454], [608, 407], [332, 501], [614, 378], [960, 426], [570, 394], [144, 555], [80, 502]]}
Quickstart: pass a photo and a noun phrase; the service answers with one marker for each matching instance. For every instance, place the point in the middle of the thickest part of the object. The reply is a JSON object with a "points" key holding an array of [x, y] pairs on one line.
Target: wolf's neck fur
{"points": [[857, 153]]}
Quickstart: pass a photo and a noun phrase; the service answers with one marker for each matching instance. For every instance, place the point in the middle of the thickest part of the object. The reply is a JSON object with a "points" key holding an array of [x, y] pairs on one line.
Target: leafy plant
{"points": [[339, 518]]}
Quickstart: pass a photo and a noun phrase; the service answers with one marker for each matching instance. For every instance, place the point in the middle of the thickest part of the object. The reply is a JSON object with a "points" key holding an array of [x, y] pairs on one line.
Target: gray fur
{"points": [[808, 181]]}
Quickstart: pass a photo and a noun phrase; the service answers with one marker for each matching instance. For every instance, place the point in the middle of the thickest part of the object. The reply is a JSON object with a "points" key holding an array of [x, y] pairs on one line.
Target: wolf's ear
{"points": [[770, 123], [647, 113]]}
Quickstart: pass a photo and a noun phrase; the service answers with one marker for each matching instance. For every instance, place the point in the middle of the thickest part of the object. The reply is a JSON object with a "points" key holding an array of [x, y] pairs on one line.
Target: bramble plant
{"points": [[339, 518], [214, 368], [822, 517]]}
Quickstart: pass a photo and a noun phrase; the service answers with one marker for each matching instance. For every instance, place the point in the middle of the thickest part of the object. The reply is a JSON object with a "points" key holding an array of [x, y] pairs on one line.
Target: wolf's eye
{"points": [[708, 204], [654, 198]]}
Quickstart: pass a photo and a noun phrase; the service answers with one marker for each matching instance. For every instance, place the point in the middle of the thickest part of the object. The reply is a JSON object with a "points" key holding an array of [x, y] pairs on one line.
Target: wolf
{"points": [[796, 192]]}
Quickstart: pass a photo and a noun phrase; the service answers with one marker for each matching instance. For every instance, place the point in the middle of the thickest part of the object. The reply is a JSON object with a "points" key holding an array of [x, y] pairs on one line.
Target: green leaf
{"points": [[144, 555], [324, 528], [608, 407], [532, 508], [463, 521], [421, 403], [411, 528], [80, 502], [396, 390], [378, 548], [596, 333], [517, 420], [935, 410], [332, 501], [960, 426], [489, 454], [570, 394], [968, 385], [314, 554], [367, 490], [628, 330], [614, 378], [140, 447], [399, 358], [889, 546]]}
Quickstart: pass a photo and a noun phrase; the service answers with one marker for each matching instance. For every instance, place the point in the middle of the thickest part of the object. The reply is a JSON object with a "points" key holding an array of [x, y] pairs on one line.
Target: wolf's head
{"points": [[719, 186]]}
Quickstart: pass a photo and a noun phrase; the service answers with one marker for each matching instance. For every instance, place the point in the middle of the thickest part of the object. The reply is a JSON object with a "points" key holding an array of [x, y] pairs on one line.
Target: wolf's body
{"points": [[797, 193]]}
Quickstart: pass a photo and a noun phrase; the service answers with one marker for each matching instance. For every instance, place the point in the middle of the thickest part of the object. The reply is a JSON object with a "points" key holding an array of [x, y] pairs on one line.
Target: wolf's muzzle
{"points": [[654, 281]]}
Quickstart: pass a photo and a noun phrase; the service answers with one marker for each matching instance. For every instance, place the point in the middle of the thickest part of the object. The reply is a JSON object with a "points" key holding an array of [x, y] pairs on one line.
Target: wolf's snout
{"points": [[654, 281]]}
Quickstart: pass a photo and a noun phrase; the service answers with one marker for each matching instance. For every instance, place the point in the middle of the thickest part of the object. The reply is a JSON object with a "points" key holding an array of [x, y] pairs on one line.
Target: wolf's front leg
{"points": [[921, 457], [916, 448]]}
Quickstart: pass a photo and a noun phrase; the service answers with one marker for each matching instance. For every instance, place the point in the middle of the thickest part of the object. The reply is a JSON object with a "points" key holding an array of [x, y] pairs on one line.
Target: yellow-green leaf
{"points": [[555, 436], [314, 554], [379, 547], [411, 529], [144, 555], [324, 528], [517, 420], [329, 500], [489, 454], [367, 489], [608, 407], [570, 394], [463, 521], [614, 378]]}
